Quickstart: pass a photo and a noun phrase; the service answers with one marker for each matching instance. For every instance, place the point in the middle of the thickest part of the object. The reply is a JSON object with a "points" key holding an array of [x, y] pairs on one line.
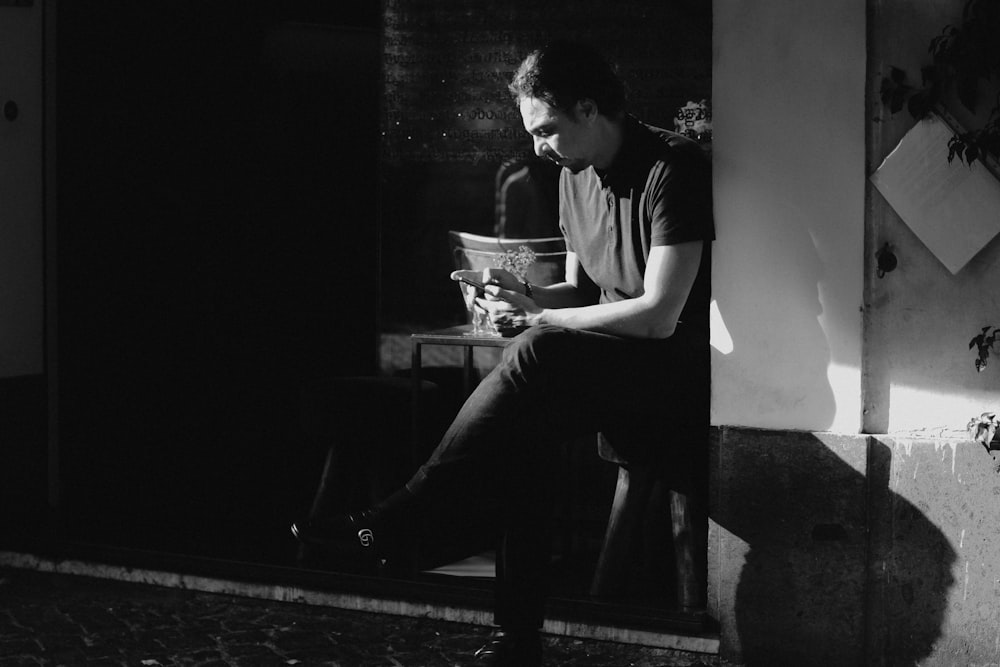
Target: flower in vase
{"points": [[516, 261]]}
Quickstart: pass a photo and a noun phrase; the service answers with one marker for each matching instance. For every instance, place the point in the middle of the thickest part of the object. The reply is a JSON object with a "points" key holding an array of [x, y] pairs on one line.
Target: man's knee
{"points": [[541, 347]]}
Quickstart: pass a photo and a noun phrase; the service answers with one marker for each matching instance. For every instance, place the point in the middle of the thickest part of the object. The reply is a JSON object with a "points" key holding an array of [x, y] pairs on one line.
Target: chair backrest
{"points": [[476, 252]]}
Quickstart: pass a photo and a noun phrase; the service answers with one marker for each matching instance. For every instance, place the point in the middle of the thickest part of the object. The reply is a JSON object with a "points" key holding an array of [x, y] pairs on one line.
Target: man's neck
{"points": [[610, 137]]}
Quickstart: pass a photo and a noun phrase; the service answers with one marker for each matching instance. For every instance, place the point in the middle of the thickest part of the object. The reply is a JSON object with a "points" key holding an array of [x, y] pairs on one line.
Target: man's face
{"points": [[561, 137]]}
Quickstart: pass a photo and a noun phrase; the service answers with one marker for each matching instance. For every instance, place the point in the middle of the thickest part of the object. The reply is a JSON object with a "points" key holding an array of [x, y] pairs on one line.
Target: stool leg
{"points": [[631, 496], [690, 532]]}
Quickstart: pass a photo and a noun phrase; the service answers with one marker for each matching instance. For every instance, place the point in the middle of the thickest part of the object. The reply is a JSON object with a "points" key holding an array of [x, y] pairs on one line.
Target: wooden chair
{"points": [[688, 511]]}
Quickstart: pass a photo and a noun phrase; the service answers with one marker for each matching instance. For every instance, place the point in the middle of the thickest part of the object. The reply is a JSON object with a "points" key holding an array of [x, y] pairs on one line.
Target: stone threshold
{"points": [[707, 642]]}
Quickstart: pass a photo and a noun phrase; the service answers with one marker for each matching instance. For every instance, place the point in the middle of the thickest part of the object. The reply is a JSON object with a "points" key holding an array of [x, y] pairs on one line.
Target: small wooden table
{"points": [[460, 335]]}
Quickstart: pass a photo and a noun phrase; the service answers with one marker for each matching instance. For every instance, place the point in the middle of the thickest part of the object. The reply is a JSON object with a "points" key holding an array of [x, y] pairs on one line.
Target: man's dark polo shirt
{"points": [[657, 192]]}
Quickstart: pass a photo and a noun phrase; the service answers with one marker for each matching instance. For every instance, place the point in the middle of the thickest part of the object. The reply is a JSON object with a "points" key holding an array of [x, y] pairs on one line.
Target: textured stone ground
{"points": [[54, 619]]}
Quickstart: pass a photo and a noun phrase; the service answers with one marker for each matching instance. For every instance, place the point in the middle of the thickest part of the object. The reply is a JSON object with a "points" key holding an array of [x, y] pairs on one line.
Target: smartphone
{"points": [[469, 281]]}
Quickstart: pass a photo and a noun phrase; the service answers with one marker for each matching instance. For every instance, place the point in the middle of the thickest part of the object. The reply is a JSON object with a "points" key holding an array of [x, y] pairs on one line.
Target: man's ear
{"points": [[586, 109]]}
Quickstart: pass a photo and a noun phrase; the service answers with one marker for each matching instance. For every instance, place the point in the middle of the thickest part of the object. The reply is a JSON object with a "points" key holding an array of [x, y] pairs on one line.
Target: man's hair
{"points": [[563, 72]]}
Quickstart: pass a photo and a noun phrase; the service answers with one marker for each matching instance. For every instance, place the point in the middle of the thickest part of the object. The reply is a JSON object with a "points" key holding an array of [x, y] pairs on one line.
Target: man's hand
{"points": [[499, 277], [469, 291], [503, 297], [508, 308]]}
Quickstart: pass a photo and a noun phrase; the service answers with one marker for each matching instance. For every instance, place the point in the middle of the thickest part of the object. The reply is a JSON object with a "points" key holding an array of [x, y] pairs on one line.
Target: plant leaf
{"points": [[971, 153], [953, 149]]}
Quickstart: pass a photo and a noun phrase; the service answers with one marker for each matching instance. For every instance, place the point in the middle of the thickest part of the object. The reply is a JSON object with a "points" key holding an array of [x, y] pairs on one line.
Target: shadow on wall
{"points": [[831, 567], [766, 284]]}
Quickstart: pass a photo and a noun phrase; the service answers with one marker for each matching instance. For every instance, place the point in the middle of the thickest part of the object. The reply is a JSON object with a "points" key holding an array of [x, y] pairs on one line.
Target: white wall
{"points": [[788, 151]]}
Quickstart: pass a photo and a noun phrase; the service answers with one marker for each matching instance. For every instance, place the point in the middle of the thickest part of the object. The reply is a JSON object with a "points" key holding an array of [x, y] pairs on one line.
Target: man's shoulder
{"points": [[667, 143], [663, 134]]}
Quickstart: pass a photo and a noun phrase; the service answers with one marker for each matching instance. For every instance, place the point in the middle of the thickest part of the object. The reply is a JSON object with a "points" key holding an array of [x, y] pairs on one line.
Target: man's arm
{"points": [[575, 291], [670, 273]]}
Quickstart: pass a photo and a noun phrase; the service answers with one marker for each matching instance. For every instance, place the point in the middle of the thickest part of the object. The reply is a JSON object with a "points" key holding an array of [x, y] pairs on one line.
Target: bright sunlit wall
{"points": [[788, 151]]}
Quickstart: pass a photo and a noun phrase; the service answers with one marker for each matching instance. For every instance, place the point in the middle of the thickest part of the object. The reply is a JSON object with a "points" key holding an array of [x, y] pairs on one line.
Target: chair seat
{"points": [[677, 457]]}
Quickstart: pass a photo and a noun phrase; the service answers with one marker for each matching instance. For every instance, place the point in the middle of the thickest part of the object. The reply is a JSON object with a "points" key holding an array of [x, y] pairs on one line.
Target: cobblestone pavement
{"points": [[57, 619]]}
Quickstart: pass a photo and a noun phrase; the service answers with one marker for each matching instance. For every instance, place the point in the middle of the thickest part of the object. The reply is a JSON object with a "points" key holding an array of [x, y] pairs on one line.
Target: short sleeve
{"points": [[679, 199]]}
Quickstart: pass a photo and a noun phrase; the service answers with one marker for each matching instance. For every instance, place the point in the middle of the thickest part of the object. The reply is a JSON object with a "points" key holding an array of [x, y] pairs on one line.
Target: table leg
{"points": [[468, 377], [415, 368], [416, 448]]}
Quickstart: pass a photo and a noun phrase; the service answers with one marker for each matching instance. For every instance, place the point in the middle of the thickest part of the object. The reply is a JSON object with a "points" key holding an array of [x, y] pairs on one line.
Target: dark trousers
{"points": [[552, 384]]}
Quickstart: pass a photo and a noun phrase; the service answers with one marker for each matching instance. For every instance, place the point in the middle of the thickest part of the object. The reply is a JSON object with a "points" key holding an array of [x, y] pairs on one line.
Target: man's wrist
{"points": [[528, 292]]}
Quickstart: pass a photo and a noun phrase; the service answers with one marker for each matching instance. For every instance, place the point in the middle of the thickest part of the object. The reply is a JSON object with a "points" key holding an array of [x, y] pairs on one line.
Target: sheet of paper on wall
{"points": [[954, 209]]}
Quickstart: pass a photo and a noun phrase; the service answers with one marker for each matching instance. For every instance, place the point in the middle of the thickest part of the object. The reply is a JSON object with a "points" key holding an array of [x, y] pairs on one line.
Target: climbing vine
{"points": [[963, 57], [984, 428]]}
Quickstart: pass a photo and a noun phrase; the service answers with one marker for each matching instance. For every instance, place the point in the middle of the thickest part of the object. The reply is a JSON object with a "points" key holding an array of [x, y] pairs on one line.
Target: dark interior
{"points": [[229, 239]]}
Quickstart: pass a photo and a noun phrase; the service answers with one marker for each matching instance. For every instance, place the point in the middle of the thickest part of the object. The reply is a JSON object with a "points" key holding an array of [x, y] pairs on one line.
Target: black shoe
{"points": [[346, 529], [505, 649]]}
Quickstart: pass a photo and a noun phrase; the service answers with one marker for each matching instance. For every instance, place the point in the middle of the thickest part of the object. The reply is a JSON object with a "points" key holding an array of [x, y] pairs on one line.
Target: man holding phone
{"points": [[621, 342]]}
